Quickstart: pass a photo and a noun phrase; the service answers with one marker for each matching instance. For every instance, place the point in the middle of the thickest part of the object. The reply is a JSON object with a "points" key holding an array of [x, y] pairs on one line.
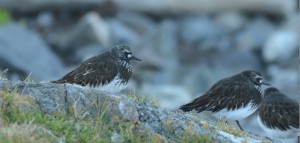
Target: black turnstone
{"points": [[109, 71], [278, 115], [233, 98]]}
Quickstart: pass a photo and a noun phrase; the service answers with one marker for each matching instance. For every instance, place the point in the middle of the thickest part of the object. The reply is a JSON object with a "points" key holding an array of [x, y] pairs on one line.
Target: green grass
{"points": [[66, 128], [22, 121], [4, 17]]}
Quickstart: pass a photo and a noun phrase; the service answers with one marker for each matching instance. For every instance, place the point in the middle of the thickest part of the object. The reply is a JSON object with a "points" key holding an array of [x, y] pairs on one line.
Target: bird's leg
{"points": [[238, 123]]}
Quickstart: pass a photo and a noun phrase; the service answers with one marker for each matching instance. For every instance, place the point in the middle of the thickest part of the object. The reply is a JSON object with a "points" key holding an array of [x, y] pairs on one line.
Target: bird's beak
{"points": [[135, 58], [264, 83]]}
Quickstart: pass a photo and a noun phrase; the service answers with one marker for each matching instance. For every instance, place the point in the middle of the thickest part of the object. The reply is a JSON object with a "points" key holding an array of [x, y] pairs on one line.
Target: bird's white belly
{"points": [[237, 114], [114, 86], [276, 133]]}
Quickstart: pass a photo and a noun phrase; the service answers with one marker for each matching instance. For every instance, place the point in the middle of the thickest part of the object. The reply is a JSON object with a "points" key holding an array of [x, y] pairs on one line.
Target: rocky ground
{"points": [[185, 48], [46, 112]]}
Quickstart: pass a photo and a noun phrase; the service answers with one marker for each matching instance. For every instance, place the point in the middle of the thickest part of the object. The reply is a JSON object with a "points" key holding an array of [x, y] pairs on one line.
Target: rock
{"points": [[167, 96], [237, 60], [45, 19], [254, 35], [88, 51], [200, 38], [90, 29], [36, 5], [196, 28], [117, 138], [285, 79], [160, 51], [165, 45], [142, 25], [27, 133], [24, 51], [163, 7], [281, 46], [122, 34], [205, 73], [87, 103], [231, 21]]}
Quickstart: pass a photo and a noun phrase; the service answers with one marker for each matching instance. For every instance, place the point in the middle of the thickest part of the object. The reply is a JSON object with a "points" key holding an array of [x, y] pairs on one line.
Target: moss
{"points": [[64, 127], [222, 125], [19, 125], [142, 99], [4, 16], [158, 138], [188, 138]]}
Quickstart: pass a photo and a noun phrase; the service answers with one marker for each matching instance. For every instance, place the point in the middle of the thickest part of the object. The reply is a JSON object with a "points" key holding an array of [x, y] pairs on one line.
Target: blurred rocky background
{"points": [[186, 46]]}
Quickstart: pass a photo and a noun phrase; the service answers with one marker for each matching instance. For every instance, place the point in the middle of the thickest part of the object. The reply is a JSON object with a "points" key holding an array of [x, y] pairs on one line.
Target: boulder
{"points": [[87, 103]]}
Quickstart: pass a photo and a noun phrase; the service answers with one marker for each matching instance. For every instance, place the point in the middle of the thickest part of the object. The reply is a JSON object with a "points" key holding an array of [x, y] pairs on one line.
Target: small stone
{"points": [[117, 138], [231, 21], [45, 19], [123, 34], [128, 111], [255, 33], [281, 46]]}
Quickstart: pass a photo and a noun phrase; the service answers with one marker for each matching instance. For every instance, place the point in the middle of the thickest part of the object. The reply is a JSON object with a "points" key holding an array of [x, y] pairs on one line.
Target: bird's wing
{"points": [[92, 72], [223, 95], [280, 112]]}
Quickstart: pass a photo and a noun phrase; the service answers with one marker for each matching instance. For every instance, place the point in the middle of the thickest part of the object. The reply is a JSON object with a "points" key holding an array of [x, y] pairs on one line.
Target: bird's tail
{"points": [[198, 104], [186, 107], [190, 106]]}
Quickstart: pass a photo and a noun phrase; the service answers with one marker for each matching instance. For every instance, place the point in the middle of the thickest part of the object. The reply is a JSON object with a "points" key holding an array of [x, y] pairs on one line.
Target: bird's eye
{"points": [[129, 54], [258, 80]]}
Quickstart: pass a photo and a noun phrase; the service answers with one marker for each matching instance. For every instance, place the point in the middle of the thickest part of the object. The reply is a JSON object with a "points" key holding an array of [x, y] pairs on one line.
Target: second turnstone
{"points": [[233, 98]]}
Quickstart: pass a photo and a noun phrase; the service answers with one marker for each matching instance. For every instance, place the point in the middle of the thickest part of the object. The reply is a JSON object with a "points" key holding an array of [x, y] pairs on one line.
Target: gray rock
{"points": [[90, 29], [237, 60], [255, 34], [200, 38], [286, 80], [87, 102], [231, 21], [23, 50], [121, 33], [36, 5], [117, 138], [160, 50], [164, 44], [45, 19], [164, 7], [203, 75], [196, 28], [88, 51], [141, 24], [281, 46], [168, 96]]}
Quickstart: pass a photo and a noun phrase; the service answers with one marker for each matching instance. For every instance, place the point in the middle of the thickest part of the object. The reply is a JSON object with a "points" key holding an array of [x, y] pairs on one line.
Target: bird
{"points": [[109, 71], [278, 115], [233, 98]]}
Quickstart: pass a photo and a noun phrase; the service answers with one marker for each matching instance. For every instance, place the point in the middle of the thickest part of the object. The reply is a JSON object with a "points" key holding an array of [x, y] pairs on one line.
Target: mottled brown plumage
{"points": [[103, 69], [230, 93], [278, 111], [234, 98]]}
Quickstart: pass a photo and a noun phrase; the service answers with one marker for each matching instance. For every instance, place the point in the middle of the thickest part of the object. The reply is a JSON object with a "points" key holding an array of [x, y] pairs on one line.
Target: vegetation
{"points": [[21, 121], [19, 126]]}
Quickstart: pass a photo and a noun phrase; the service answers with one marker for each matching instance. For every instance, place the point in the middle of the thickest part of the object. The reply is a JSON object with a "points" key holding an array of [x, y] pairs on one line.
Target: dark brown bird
{"points": [[278, 115], [109, 71], [234, 98]]}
